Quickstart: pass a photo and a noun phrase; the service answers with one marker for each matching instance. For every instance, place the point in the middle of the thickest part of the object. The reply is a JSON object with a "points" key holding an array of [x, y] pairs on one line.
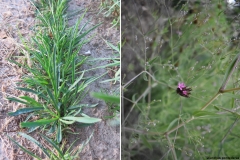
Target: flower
{"points": [[183, 90], [181, 86]]}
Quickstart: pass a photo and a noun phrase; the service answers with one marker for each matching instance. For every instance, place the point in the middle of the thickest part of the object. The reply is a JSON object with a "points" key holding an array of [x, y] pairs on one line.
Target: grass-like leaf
{"points": [[31, 101], [35, 141], [24, 149], [27, 90], [116, 48], [54, 145], [82, 119], [17, 100], [76, 82], [107, 98], [59, 132], [37, 123], [203, 113], [82, 105], [230, 71], [25, 110]]}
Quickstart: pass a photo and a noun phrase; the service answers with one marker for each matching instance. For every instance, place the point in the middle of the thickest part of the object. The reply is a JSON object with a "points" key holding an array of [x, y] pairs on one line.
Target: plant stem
{"points": [[211, 100], [230, 71], [224, 138], [229, 90], [171, 147], [189, 120], [180, 125], [203, 108]]}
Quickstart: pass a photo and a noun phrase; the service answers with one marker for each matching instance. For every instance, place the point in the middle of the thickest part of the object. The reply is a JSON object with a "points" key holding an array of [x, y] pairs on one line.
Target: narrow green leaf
{"points": [[59, 132], [30, 130], [203, 113], [230, 111], [90, 80], [17, 100], [216, 108], [52, 97], [24, 149], [145, 142], [27, 90], [84, 115], [73, 13], [82, 119], [110, 80], [153, 60], [83, 105], [29, 116], [31, 101], [34, 141], [107, 98], [84, 143], [230, 70], [76, 113], [40, 122], [97, 59], [172, 123], [54, 145], [32, 91], [25, 110], [66, 122], [76, 82], [112, 46], [53, 128], [86, 32]]}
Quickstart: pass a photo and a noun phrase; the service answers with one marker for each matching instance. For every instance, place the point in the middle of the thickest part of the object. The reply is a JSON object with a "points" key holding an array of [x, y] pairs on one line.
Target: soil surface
{"points": [[16, 21]]}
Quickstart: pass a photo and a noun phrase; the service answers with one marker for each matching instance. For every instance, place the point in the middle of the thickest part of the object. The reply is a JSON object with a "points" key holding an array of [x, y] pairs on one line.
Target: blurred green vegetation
{"points": [[198, 49]]}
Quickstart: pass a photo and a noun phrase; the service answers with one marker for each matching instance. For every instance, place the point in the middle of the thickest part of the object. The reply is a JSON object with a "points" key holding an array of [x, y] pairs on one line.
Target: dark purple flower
{"points": [[183, 90]]}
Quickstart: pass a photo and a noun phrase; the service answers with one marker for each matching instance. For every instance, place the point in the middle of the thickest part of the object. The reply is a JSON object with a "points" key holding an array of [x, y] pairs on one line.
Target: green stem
{"points": [[230, 71], [229, 90], [172, 148], [203, 108], [180, 125], [211, 100]]}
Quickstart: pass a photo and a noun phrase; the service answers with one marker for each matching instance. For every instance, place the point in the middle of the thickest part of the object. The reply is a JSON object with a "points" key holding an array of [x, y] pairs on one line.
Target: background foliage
{"points": [[191, 42]]}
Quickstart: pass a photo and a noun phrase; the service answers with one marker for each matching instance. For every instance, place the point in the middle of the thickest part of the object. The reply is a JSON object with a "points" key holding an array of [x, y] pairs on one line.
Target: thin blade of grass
{"points": [[66, 122], [82, 119], [112, 46], [27, 90], [90, 80], [34, 141], [54, 145], [24, 149], [82, 105], [84, 143], [59, 133], [31, 101], [52, 98], [25, 110], [37, 123], [107, 98], [76, 82], [86, 32], [17, 100], [229, 72], [30, 130]]}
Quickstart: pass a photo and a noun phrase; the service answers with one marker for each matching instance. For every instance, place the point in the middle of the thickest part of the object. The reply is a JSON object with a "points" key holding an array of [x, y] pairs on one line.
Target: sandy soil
{"points": [[17, 18]]}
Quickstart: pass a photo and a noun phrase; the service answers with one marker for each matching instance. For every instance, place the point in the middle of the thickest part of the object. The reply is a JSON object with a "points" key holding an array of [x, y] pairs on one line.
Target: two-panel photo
{"points": [[119, 79]]}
